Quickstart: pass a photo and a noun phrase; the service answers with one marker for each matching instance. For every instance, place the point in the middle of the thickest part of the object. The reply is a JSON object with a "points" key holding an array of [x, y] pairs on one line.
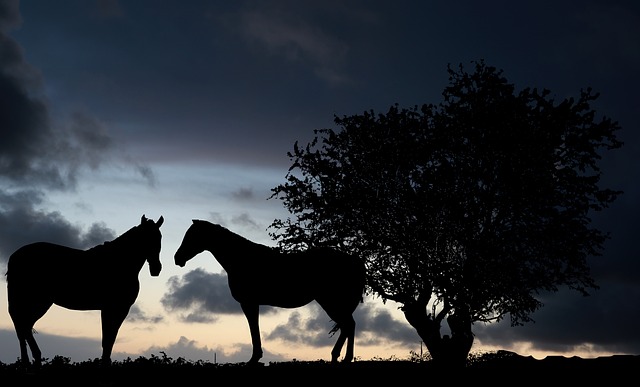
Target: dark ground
{"points": [[496, 368]]}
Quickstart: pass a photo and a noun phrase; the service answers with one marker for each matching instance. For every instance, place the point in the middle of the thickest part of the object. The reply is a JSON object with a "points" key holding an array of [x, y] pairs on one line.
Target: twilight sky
{"points": [[112, 109]]}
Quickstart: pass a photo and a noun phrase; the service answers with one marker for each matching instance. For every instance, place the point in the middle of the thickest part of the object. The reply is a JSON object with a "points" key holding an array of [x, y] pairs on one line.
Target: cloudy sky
{"points": [[111, 109]]}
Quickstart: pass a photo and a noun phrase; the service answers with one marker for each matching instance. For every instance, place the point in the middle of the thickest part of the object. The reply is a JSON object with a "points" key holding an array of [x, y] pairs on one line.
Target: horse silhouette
{"points": [[104, 277], [262, 275]]}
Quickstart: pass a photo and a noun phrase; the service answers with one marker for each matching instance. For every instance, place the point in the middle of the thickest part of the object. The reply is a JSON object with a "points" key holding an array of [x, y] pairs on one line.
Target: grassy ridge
{"points": [[165, 371]]}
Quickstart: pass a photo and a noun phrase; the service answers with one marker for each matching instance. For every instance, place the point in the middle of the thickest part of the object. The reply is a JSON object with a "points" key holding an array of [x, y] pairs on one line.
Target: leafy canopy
{"points": [[480, 202]]}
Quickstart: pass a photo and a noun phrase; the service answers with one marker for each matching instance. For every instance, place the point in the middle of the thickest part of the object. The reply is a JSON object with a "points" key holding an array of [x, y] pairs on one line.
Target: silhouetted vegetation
{"points": [[164, 370], [464, 211]]}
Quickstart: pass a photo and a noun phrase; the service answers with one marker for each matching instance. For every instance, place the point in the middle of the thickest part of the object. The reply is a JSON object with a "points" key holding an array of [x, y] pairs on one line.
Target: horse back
{"points": [[69, 277], [343, 276], [296, 278], [40, 256]]}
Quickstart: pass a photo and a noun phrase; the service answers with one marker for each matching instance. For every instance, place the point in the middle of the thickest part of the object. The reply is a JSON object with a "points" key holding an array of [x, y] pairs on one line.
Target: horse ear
{"points": [[143, 219], [160, 221]]}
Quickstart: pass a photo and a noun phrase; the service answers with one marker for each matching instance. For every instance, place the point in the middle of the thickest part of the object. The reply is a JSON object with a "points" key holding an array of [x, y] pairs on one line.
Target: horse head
{"points": [[154, 242], [192, 243]]}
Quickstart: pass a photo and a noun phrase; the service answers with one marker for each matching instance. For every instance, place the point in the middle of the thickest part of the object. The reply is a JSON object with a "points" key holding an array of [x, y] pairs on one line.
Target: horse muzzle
{"points": [[180, 262], [180, 258], [154, 269]]}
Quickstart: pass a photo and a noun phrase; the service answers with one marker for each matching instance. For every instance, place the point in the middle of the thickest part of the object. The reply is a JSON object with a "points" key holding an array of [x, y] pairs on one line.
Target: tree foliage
{"points": [[464, 210]]}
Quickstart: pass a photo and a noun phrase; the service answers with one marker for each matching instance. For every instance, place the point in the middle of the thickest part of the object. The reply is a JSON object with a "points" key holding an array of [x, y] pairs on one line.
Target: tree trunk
{"points": [[461, 339], [428, 329], [448, 351]]}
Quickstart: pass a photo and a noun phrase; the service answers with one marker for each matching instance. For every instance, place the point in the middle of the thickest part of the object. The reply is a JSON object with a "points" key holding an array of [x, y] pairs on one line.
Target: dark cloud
{"points": [[35, 151], [136, 314], [568, 322], [190, 349], [245, 220], [283, 31], [243, 194], [187, 349], [9, 14], [201, 295], [374, 326], [306, 331], [78, 349], [378, 324], [604, 320], [91, 140], [25, 149], [21, 222], [146, 172], [97, 233]]}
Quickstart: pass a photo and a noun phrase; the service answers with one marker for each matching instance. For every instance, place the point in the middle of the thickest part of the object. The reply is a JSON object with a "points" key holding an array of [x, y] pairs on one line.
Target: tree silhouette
{"points": [[463, 211]]}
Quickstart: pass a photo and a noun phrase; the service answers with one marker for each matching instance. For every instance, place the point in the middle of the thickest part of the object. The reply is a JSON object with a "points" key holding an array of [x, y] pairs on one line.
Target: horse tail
{"points": [[335, 329]]}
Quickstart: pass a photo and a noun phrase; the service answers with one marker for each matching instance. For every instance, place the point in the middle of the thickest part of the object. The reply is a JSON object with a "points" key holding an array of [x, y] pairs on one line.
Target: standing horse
{"points": [[261, 275], [104, 277]]}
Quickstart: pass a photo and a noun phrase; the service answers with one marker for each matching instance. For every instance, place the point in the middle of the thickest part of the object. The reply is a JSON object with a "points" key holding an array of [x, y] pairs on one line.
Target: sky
{"points": [[110, 110]]}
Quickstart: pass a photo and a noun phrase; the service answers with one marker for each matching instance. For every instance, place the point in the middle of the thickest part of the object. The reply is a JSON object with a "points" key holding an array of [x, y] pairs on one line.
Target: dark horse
{"points": [[104, 277], [261, 275]]}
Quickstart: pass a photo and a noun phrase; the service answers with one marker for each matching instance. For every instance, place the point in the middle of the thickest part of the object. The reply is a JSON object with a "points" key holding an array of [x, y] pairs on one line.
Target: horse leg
{"points": [[347, 326], [25, 337], [22, 340], [112, 320], [348, 329], [252, 313], [337, 348], [23, 324]]}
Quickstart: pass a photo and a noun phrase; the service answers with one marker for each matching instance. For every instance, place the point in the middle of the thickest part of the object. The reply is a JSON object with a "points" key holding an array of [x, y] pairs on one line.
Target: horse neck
{"points": [[121, 247], [228, 248]]}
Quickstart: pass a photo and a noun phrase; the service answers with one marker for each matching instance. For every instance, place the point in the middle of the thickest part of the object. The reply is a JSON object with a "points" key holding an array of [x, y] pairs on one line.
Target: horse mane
{"points": [[107, 245], [235, 238]]}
